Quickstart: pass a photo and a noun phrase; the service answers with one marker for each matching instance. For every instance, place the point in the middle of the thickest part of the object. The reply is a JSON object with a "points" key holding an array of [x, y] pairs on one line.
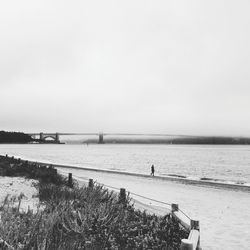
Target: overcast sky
{"points": [[177, 67]]}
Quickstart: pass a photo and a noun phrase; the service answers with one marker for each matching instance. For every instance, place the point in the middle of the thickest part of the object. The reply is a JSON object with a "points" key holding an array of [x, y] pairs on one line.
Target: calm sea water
{"points": [[224, 163]]}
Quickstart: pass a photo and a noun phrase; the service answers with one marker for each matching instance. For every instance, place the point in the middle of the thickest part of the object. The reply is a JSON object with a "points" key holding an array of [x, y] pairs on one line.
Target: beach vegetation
{"points": [[83, 218]]}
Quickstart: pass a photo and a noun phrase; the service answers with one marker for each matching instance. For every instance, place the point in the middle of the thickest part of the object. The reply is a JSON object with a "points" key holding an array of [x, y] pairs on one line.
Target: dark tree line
{"points": [[211, 140], [14, 137], [216, 140]]}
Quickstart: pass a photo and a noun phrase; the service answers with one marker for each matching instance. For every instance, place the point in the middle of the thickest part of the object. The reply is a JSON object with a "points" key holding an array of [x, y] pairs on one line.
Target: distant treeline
{"points": [[211, 140], [14, 137], [179, 140]]}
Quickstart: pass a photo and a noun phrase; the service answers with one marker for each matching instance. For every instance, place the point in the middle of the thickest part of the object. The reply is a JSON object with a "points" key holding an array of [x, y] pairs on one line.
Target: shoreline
{"points": [[217, 209], [206, 183]]}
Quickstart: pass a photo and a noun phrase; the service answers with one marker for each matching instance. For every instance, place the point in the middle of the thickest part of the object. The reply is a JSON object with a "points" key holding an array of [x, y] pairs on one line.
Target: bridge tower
{"points": [[41, 136], [57, 138], [101, 141]]}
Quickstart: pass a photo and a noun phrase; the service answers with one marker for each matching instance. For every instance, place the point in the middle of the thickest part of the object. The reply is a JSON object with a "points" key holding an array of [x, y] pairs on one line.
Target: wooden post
{"points": [[91, 183], [186, 244], [122, 197], [70, 181], [174, 208], [195, 224]]}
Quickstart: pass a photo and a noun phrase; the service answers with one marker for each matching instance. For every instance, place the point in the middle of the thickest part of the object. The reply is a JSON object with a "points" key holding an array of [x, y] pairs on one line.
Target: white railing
{"points": [[193, 226]]}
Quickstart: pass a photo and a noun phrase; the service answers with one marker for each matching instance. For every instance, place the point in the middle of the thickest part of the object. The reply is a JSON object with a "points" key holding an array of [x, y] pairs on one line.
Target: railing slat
{"points": [[182, 220], [194, 237]]}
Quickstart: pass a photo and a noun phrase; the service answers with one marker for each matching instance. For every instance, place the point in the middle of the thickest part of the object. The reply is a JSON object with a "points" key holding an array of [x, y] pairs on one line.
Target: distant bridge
{"points": [[43, 137], [55, 137]]}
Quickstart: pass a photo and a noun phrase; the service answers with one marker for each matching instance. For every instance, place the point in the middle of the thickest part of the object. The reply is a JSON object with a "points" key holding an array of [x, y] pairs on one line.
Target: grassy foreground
{"points": [[80, 217]]}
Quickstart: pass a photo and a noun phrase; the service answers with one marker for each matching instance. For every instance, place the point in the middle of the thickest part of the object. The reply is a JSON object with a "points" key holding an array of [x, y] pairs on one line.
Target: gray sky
{"points": [[180, 67]]}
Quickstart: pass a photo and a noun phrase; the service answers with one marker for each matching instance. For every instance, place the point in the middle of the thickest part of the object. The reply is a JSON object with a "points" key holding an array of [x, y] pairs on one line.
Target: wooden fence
{"points": [[192, 226]]}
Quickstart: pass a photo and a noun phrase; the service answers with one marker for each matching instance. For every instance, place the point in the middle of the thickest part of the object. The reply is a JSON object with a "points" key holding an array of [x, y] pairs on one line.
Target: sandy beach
{"points": [[223, 213], [14, 187]]}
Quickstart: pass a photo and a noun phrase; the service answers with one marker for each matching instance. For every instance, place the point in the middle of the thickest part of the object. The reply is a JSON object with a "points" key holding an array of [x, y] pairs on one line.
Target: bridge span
{"points": [[55, 137]]}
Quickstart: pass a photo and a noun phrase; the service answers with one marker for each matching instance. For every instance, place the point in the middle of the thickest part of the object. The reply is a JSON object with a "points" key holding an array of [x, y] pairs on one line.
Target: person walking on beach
{"points": [[152, 170]]}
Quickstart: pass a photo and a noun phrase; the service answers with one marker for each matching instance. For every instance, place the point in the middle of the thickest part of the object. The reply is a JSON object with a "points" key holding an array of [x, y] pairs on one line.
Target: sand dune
{"points": [[14, 187]]}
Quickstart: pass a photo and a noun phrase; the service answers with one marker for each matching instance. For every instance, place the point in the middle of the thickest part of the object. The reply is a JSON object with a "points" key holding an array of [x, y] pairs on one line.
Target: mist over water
{"points": [[226, 163]]}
